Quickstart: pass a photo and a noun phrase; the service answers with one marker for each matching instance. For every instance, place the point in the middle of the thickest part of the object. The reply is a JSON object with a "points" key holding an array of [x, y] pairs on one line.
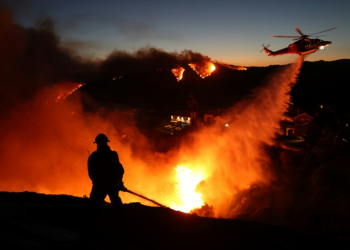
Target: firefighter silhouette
{"points": [[106, 174]]}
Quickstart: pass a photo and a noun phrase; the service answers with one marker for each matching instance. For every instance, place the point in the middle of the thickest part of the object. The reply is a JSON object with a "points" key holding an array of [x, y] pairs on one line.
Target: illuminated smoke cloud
{"points": [[33, 58], [45, 142], [51, 137]]}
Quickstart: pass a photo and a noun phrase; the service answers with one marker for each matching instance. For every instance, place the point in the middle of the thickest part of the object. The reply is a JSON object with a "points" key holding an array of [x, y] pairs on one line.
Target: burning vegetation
{"points": [[67, 88], [221, 172], [203, 69], [187, 181], [178, 73]]}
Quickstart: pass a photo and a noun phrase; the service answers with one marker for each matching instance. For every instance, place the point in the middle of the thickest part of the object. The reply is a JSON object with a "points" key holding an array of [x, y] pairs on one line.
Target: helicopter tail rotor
{"points": [[264, 47]]}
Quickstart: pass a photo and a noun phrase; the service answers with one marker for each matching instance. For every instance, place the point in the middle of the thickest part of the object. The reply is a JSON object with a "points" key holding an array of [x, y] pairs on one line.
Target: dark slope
{"points": [[323, 83], [319, 83], [159, 89], [37, 221]]}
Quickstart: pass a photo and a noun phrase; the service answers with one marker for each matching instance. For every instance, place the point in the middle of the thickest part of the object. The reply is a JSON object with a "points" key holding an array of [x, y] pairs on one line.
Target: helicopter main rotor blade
{"points": [[287, 36], [323, 31], [299, 31]]}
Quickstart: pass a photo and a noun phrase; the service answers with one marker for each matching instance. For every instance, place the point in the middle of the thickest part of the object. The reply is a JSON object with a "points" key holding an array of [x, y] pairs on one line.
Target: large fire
{"points": [[187, 181], [204, 69], [178, 73], [45, 149], [216, 162]]}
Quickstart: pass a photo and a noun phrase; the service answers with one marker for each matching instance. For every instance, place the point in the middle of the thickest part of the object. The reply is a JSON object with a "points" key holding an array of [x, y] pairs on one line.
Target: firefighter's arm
{"points": [[92, 171], [121, 186]]}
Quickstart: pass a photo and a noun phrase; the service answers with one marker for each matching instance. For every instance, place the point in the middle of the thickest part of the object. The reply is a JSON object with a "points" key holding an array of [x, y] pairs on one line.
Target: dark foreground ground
{"points": [[38, 221]]}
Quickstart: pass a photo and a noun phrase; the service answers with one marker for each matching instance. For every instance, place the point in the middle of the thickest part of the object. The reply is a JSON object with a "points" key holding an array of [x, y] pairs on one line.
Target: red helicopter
{"points": [[303, 46]]}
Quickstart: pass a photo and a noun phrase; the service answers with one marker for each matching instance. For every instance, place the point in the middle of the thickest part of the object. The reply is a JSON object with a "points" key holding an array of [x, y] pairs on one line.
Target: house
{"points": [[182, 119], [302, 123]]}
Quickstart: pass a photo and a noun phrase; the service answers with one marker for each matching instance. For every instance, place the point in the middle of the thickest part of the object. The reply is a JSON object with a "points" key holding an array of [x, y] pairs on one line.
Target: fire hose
{"points": [[143, 197], [139, 195]]}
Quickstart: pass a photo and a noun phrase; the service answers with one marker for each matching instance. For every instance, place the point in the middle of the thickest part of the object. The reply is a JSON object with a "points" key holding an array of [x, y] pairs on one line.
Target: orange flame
{"points": [[234, 157], [178, 73], [204, 69], [219, 161], [186, 189], [68, 88]]}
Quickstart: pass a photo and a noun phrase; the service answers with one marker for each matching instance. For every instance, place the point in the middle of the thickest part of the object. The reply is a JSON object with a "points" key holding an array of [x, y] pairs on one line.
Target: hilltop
{"points": [[319, 83]]}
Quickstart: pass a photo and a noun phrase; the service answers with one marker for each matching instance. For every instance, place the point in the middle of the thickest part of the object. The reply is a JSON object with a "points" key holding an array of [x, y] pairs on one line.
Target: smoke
{"points": [[45, 143], [120, 63], [45, 138], [34, 58]]}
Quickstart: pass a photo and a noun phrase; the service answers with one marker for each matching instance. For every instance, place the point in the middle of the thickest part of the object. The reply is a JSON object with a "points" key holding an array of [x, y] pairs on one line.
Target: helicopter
{"points": [[303, 46]]}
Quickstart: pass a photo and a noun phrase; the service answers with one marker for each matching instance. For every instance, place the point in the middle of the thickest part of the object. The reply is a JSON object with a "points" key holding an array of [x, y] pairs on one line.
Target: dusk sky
{"points": [[227, 31]]}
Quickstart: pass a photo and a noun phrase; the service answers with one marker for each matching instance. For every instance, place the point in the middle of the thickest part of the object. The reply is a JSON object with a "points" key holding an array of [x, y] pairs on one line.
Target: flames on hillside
{"points": [[203, 69], [45, 149], [222, 161], [213, 163], [68, 88], [178, 73]]}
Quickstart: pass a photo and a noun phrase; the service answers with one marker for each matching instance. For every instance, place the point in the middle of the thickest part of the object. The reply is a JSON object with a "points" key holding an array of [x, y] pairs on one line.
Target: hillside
{"points": [[319, 83], [38, 221]]}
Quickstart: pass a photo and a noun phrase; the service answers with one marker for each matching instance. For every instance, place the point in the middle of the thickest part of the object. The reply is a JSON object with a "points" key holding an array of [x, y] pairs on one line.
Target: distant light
{"points": [[321, 106], [226, 125], [322, 48], [345, 140], [347, 125]]}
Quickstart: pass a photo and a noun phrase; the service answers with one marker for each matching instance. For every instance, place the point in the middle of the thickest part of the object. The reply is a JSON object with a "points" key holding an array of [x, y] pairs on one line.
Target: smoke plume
{"points": [[34, 58], [45, 138]]}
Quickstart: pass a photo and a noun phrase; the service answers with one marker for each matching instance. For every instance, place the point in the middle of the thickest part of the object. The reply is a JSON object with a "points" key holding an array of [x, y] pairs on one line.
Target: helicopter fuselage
{"points": [[301, 47]]}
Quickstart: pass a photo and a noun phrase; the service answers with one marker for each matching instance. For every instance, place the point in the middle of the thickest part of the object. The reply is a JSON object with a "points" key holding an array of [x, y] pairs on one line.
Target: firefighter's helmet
{"points": [[101, 138]]}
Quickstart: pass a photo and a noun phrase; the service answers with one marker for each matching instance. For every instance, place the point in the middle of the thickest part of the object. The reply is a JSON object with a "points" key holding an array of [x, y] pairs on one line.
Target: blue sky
{"points": [[228, 31]]}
